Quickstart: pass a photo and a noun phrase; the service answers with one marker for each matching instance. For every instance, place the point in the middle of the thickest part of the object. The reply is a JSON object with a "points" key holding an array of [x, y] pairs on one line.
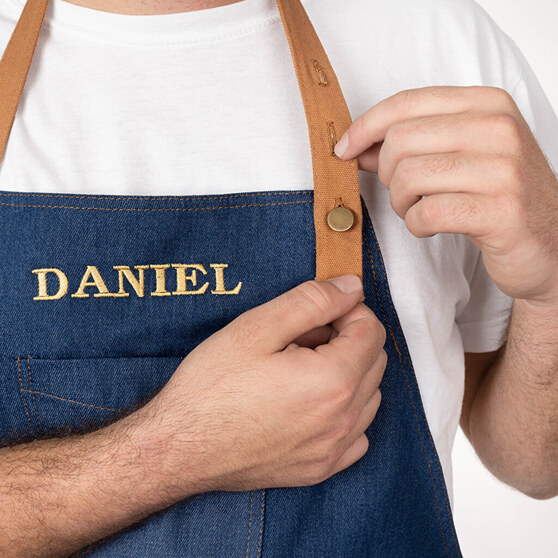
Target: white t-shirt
{"points": [[207, 102]]}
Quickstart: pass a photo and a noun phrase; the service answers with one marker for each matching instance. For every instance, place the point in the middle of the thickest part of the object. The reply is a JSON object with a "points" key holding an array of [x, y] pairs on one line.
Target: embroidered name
{"points": [[188, 279]]}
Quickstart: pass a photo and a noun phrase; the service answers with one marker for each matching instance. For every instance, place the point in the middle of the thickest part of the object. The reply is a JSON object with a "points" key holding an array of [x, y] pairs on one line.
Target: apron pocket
{"points": [[45, 397], [49, 396]]}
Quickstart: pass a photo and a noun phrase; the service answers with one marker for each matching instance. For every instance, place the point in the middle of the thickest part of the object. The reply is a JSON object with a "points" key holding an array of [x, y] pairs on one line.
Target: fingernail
{"points": [[347, 283], [341, 146]]}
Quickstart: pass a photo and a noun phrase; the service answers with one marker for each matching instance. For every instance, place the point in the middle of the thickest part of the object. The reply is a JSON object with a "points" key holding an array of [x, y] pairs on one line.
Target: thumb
{"points": [[309, 305]]}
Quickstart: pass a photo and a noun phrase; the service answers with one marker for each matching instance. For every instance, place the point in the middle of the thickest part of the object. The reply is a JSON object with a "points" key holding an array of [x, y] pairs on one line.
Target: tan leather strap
{"points": [[15, 64], [336, 182]]}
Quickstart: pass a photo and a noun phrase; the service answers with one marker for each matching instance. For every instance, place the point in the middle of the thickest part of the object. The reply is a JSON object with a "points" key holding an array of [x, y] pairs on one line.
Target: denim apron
{"points": [[102, 296]]}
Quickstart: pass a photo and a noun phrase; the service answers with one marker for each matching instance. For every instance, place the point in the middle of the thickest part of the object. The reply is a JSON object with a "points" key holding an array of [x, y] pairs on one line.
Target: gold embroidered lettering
{"points": [[92, 278], [220, 281], [137, 284], [160, 285], [182, 279], [97, 282], [41, 277]]}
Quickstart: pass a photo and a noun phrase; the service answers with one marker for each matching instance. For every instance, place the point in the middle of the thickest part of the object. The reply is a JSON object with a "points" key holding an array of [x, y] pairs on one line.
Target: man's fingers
{"points": [[370, 382], [367, 415], [359, 340], [310, 305], [358, 312], [425, 175], [318, 336], [371, 127], [357, 438], [497, 134], [472, 214], [357, 450]]}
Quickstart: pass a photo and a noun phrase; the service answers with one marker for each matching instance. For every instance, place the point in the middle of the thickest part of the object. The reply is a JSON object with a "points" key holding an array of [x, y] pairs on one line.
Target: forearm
{"points": [[513, 419], [59, 495]]}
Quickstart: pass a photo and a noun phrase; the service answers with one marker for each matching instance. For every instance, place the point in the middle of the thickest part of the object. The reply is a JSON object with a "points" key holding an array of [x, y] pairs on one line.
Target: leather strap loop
{"points": [[336, 182]]}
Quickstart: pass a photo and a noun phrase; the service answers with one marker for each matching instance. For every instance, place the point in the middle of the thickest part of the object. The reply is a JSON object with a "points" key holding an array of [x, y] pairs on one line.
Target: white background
{"points": [[493, 520]]}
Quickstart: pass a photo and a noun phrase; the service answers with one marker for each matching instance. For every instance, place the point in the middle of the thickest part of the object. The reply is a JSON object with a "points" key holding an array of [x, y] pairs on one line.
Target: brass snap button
{"points": [[340, 219]]}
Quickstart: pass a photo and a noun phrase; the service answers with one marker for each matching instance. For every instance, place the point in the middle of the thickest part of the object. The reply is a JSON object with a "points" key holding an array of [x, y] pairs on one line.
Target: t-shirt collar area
{"points": [[197, 26]]}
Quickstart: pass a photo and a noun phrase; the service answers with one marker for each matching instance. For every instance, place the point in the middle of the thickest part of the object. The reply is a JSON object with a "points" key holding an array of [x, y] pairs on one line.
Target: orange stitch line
{"points": [[261, 525], [397, 347], [139, 198], [23, 396], [454, 534], [70, 400], [370, 256], [149, 209], [32, 394], [250, 522]]}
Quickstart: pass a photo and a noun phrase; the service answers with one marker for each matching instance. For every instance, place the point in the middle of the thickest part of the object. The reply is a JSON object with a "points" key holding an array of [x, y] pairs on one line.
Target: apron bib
{"points": [[101, 298]]}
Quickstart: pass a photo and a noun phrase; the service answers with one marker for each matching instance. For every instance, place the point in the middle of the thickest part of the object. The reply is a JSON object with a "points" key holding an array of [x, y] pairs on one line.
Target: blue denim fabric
{"points": [[72, 363]]}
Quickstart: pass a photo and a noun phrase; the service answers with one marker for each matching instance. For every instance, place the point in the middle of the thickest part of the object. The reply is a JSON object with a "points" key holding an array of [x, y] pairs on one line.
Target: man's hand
{"points": [[463, 160], [279, 397]]}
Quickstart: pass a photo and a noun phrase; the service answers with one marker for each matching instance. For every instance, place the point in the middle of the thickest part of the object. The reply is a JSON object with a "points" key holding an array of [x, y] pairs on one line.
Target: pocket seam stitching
{"points": [[68, 400], [21, 391]]}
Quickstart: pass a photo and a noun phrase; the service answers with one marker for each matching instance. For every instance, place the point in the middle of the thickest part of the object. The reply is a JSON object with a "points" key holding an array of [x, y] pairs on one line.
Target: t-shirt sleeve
{"points": [[484, 321]]}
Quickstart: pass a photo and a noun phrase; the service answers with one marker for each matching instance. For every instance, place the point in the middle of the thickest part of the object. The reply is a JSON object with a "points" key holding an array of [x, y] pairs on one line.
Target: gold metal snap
{"points": [[340, 219]]}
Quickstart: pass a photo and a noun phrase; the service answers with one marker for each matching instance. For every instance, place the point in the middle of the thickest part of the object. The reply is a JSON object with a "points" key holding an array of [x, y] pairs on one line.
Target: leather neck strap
{"points": [[336, 182]]}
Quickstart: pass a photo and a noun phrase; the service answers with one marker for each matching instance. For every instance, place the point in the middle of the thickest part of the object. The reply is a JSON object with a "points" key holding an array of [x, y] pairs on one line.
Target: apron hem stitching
{"points": [[162, 198], [154, 209]]}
